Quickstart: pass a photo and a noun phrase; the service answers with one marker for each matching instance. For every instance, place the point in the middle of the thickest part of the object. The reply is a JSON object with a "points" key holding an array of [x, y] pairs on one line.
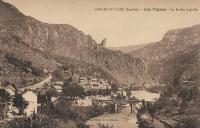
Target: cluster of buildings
{"points": [[91, 84], [31, 93]]}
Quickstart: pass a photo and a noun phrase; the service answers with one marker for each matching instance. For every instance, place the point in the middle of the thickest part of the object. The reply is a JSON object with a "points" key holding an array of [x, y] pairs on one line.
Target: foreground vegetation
{"points": [[178, 102]]}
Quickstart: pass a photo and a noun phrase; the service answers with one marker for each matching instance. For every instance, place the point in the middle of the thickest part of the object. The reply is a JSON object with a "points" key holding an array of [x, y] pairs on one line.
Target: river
{"points": [[123, 119]]}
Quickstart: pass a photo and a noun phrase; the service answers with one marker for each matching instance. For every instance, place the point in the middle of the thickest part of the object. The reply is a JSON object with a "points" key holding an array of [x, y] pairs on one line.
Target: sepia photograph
{"points": [[99, 64]]}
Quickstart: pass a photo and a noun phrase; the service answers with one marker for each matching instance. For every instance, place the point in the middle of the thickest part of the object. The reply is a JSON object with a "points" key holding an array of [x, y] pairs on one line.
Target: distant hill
{"points": [[127, 49], [43, 44], [176, 56]]}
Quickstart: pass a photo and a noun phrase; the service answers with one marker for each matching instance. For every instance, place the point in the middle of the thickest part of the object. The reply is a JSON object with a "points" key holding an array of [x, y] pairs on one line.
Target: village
{"points": [[94, 88]]}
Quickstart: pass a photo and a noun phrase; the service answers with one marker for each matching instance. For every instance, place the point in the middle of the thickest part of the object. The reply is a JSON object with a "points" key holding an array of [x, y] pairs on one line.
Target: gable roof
{"points": [[28, 90]]}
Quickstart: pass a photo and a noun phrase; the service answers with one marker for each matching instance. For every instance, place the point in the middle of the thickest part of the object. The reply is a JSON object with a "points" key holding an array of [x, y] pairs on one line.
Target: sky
{"points": [[120, 27]]}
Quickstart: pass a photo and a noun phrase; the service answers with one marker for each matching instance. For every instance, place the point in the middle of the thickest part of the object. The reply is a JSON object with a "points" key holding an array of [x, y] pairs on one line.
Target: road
{"points": [[38, 85]]}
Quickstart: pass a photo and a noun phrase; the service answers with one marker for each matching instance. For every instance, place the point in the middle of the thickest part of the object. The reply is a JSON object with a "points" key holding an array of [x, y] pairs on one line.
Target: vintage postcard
{"points": [[99, 64]]}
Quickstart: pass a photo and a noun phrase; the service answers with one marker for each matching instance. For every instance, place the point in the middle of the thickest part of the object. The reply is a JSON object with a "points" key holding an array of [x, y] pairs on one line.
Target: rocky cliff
{"points": [[30, 39], [176, 56]]}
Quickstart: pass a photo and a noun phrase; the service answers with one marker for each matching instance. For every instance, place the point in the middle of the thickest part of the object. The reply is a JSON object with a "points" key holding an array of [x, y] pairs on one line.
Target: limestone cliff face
{"points": [[176, 56], [64, 40]]}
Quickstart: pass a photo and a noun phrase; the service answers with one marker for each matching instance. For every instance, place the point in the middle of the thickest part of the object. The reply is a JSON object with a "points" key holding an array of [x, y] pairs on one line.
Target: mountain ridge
{"points": [[176, 55], [67, 41]]}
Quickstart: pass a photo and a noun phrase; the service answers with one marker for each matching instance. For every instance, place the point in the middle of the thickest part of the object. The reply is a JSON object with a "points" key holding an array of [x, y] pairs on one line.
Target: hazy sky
{"points": [[119, 27]]}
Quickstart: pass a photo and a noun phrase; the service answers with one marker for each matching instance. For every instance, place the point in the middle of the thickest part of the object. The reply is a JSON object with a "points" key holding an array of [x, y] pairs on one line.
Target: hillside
{"points": [[176, 56], [21, 64], [28, 38], [15, 71]]}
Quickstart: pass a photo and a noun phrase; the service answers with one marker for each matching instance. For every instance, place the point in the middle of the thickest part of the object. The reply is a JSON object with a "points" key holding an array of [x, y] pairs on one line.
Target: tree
{"points": [[72, 90], [128, 93], [51, 92], [42, 98], [68, 82], [20, 103], [21, 63], [151, 108], [175, 82], [34, 121], [37, 71], [82, 125], [63, 109], [114, 88], [105, 126], [78, 91], [185, 94], [4, 99], [95, 110], [4, 96]]}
